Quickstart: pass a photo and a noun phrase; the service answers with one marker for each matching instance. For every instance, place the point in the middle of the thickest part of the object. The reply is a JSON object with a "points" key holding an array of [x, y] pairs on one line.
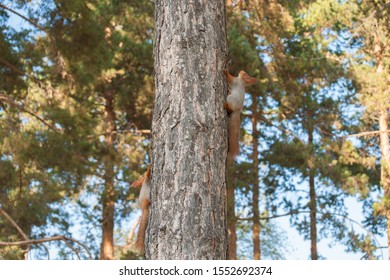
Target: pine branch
{"points": [[13, 223], [35, 24], [23, 17], [365, 133], [20, 72], [13, 103], [21, 232], [49, 239], [293, 212], [363, 21]]}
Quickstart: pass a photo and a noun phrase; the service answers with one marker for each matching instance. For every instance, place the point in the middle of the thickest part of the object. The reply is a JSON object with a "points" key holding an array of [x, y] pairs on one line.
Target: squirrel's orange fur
{"points": [[234, 105], [143, 201]]}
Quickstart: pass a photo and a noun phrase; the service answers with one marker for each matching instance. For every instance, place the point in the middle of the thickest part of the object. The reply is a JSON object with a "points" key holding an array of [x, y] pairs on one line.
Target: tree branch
{"points": [[12, 102], [21, 232], [23, 17], [365, 133], [293, 212], [20, 72], [48, 239]]}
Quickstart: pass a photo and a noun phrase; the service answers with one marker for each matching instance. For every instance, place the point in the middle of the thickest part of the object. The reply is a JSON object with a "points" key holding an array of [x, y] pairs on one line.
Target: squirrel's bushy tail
{"points": [[139, 244], [234, 134]]}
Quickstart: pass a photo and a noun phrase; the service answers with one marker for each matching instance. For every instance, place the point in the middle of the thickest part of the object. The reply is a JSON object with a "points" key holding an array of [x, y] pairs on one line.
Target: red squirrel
{"points": [[234, 105], [143, 201]]}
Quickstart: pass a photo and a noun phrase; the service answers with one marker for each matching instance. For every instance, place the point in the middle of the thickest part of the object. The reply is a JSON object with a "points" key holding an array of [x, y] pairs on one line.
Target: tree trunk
{"points": [[108, 196], [313, 218], [385, 168], [385, 161], [231, 214], [313, 199], [189, 132], [255, 198]]}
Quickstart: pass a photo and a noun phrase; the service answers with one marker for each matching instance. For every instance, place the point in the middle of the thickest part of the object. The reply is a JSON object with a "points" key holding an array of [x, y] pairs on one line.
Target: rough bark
{"points": [[255, 198], [108, 196], [189, 132]]}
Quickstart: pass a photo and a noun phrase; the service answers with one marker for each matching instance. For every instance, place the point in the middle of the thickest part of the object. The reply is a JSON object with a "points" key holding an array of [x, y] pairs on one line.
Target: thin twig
{"points": [[47, 250], [282, 129], [362, 227], [129, 240], [295, 212], [81, 245], [72, 248]]}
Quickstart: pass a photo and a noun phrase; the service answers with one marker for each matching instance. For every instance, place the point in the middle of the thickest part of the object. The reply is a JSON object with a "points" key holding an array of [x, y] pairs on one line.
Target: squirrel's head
{"points": [[246, 79]]}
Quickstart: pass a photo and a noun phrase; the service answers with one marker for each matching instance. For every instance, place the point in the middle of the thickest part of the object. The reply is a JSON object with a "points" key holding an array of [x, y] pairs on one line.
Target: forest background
{"points": [[76, 102]]}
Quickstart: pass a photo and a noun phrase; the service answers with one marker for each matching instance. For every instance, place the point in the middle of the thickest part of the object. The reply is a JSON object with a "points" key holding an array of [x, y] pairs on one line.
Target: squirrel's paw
{"points": [[227, 107]]}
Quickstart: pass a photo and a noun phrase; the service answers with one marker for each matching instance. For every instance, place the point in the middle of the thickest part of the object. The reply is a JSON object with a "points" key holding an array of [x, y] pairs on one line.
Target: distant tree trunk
{"points": [[108, 196], [255, 198], [384, 144], [231, 215], [313, 217], [385, 167], [313, 198], [189, 132]]}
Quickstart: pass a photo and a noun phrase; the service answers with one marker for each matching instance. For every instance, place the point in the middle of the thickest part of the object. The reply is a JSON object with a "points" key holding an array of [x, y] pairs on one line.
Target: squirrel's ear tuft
{"points": [[248, 80]]}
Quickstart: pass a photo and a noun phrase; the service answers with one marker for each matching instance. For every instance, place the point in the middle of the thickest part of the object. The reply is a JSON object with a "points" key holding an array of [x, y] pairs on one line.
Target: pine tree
{"points": [[301, 78], [90, 85], [362, 27]]}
